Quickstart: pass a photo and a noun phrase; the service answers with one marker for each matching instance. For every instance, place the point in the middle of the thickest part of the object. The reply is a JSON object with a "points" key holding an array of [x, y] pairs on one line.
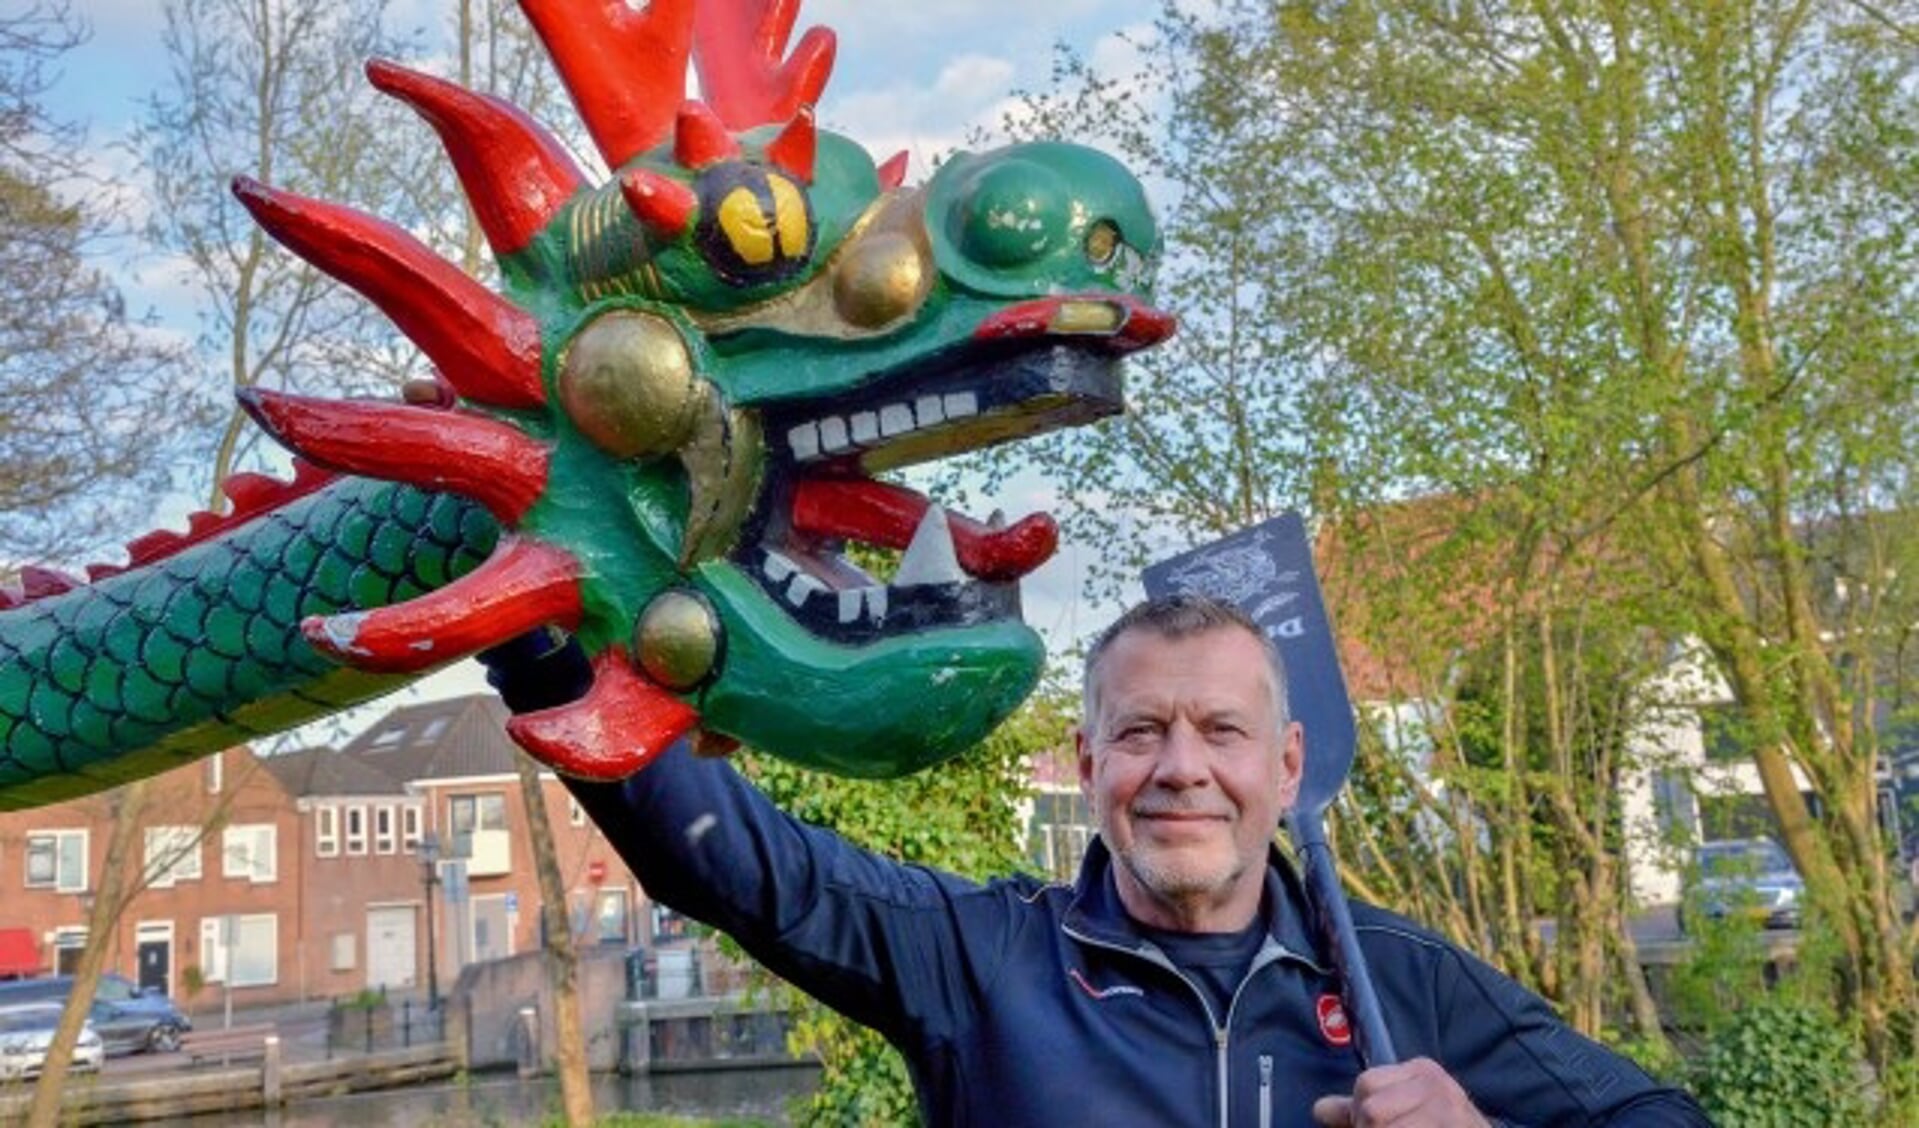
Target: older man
{"points": [[1175, 982]]}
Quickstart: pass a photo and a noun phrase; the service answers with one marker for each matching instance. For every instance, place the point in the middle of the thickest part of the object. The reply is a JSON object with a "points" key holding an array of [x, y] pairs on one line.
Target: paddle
{"points": [[1267, 572]]}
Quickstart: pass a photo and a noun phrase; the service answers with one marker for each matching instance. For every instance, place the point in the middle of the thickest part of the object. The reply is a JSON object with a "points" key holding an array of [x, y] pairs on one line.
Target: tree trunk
{"points": [[108, 901], [562, 961]]}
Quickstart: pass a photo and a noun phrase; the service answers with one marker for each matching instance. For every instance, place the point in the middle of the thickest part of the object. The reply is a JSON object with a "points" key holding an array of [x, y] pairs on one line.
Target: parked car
{"points": [[1750, 876], [128, 1018], [26, 1032]]}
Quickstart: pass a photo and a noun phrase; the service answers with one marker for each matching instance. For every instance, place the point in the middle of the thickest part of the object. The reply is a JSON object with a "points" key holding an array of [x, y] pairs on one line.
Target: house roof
{"points": [[457, 737], [327, 771]]}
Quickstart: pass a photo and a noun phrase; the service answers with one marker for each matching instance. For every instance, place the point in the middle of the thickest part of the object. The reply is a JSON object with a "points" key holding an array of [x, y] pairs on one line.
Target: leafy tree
{"points": [[1630, 287], [82, 447]]}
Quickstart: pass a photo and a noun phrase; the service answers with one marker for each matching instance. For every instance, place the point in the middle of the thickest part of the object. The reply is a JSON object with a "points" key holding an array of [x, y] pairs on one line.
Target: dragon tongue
{"points": [[890, 516]]}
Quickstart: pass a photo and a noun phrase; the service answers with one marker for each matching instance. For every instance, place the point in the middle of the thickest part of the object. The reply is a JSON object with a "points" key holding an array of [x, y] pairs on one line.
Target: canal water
{"points": [[505, 1101]]}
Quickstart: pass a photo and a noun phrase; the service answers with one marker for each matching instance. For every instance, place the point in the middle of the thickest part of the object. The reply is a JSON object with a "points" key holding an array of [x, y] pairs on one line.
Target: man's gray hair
{"points": [[1174, 617]]}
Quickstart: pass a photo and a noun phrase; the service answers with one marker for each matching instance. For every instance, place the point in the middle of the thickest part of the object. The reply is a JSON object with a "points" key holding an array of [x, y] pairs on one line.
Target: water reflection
{"points": [[756, 1094]]}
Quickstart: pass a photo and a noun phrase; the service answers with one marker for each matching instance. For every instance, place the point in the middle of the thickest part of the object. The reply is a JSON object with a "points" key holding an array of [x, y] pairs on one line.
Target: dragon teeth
{"points": [[802, 589], [778, 567], [835, 434], [930, 558]]}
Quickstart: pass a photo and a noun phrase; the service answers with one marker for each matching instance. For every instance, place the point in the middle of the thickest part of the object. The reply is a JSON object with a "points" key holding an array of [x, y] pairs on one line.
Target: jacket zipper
{"points": [[1270, 951], [1265, 1091]]}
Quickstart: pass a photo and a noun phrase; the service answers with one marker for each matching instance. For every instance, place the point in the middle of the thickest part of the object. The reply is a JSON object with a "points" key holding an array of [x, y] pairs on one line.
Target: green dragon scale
{"points": [[659, 435]]}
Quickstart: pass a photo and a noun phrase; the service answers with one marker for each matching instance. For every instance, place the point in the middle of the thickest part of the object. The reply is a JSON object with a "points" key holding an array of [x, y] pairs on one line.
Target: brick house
{"points": [[222, 903], [310, 882], [455, 761]]}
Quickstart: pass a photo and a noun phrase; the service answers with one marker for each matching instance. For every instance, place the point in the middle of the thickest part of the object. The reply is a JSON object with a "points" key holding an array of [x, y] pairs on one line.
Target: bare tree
{"points": [[81, 447]]}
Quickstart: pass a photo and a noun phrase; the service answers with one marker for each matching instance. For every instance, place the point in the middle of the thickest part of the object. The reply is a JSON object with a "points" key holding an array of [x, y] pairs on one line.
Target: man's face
{"points": [[1187, 769]]}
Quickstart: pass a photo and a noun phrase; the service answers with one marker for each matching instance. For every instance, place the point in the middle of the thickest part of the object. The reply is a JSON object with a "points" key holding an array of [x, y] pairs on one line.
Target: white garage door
{"points": [[391, 951]]}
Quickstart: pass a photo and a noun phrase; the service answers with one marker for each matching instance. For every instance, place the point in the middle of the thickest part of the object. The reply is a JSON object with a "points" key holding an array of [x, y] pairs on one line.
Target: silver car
{"points": [[27, 1031], [1751, 877]]}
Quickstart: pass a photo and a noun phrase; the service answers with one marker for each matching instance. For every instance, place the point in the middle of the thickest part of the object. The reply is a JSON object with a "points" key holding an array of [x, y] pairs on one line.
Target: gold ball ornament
{"points": [[679, 640], [628, 384], [880, 280]]}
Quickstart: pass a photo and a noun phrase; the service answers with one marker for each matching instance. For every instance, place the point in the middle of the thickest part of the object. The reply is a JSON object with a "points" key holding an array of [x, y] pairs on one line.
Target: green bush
{"points": [[1782, 1062]]}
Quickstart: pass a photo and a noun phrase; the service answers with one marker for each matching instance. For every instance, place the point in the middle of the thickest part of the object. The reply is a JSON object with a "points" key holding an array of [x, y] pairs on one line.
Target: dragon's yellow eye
{"points": [[756, 226], [789, 216], [744, 223]]}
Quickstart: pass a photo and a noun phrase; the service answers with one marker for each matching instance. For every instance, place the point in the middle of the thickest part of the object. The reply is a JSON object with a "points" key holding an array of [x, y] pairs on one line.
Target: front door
{"points": [[156, 961], [391, 950]]}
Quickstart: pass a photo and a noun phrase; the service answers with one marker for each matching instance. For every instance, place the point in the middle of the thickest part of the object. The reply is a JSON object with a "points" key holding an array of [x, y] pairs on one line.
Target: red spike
{"points": [[621, 724], [700, 138], [10, 598], [625, 66], [524, 584], [200, 524], [516, 175], [39, 583], [893, 172], [249, 491], [738, 49], [661, 203], [488, 345], [98, 572], [491, 462], [153, 546], [796, 146]]}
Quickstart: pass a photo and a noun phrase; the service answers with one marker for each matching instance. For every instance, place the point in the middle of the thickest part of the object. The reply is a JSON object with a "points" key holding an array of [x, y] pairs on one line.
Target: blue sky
{"points": [[911, 74]]}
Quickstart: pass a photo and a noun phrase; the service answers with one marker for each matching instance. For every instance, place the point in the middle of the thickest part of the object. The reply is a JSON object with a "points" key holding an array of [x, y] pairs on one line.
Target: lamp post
{"points": [[430, 873]]}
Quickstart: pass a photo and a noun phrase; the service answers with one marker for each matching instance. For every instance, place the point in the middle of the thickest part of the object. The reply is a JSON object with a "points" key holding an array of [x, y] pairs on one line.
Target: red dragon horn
{"points": [[740, 50], [523, 585], [796, 146], [662, 204], [624, 65], [700, 138], [489, 347], [516, 175], [622, 723], [493, 463]]}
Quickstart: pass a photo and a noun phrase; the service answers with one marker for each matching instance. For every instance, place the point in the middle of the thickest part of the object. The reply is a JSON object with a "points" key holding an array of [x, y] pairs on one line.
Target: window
{"points": [[469, 813], [435, 728], [388, 738], [356, 830], [326, 831], [57, 859], [609, 917], [240, 950], [173, 854], [247, 851], [410, 828], [575, 814], [383, 840], [344, 951]]}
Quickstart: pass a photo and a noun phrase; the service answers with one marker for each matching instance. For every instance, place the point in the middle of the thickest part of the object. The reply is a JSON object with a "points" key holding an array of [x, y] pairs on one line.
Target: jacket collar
{"points": [[1097, 914]]}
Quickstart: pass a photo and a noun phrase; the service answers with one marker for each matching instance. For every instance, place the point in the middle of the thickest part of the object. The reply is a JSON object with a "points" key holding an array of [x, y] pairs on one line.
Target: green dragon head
{"points": [[679, 400]]}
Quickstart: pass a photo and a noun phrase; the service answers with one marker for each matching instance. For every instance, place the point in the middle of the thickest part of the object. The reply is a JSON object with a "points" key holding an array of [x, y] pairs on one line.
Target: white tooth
{"points": [[866, 427], [961, 404], [849, 605], [895, 419], [778, 567], [805, 441], [833, 434], [930, 559], [929, 410], [801, 588], [876, 602]]}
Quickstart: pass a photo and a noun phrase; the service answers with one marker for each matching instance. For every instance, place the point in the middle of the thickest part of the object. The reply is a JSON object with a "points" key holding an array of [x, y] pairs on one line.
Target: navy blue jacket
{"points": [[1019, 1003]]}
